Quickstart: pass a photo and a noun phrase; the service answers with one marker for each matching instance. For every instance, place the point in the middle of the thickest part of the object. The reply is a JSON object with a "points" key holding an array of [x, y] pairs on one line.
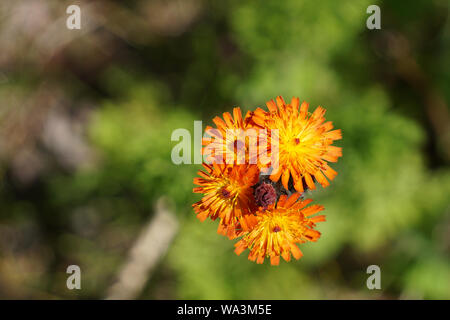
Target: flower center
{"points": [[226, 193], [276, 229], [265, 195]]}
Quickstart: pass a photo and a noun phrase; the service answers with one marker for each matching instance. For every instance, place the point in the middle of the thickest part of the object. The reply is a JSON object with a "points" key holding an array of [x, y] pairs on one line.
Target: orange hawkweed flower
{"points": [[277, 229], [228, 195], [305, 142], [234, 141]]}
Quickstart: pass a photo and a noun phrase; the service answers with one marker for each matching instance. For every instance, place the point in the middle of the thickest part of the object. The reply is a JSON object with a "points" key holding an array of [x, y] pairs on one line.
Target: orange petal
{"points": [[303, 109], [292, 199], [202, 216], [280, 102], [321, 179], [228, 119], [238, 116], [260, 260], [295, 103], [203, 174], [271, 106], [276, 176], [320, 218], [285, 179], [319, 112], [330, 173], [220, 123], [309, 181], [299, 186], [302, 203], [334, 135], [296, 252], [282, 201], [199, 181], [240, 247], [312, 210], [286, 255], [312, 235], [275, 260], [327, 126], [336, 151]]}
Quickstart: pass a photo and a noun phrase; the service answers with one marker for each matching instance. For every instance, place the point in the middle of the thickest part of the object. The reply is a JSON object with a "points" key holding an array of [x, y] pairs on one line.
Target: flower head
{"points": [[305, 143], [253, 164], [228, 195], [234, 141], [276, 230]]}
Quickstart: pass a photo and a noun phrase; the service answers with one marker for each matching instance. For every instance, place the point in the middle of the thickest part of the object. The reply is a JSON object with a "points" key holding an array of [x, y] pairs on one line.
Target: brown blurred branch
{"points": [[151, 245]]}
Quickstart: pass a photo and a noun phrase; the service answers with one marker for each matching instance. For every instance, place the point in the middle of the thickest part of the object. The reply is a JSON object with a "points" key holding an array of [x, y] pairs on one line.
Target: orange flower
{"points": [[277, 229], [234, 141], [228, 195], [305, 142]]}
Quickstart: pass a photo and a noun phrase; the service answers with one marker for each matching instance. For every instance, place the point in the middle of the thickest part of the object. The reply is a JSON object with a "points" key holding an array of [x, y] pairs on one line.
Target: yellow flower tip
{"points": [[279, 228]]}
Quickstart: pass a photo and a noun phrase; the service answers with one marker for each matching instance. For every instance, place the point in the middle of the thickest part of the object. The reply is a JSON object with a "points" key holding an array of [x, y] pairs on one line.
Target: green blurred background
{"points": [[86, 118]]}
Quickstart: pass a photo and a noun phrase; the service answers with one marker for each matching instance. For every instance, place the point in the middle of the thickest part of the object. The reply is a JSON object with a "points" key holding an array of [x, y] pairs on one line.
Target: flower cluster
{"points": [[256, 171]]}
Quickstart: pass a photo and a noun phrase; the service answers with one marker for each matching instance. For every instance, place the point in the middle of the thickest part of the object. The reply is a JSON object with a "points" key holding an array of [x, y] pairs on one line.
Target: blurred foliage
{"points": [[85, 145]]}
